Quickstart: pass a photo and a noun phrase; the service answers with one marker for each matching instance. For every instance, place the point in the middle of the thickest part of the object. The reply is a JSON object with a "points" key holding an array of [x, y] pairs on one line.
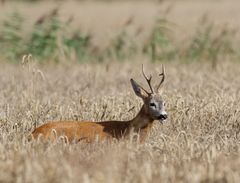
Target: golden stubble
{"points": [[199, 142]]}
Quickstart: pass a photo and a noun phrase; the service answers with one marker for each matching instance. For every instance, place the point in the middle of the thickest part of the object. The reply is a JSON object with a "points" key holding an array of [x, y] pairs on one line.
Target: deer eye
{"points": [[153, 104]]}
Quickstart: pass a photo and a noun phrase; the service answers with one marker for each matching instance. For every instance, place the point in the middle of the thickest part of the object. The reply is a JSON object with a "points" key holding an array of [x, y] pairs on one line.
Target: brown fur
{"points": [[76, 131]]}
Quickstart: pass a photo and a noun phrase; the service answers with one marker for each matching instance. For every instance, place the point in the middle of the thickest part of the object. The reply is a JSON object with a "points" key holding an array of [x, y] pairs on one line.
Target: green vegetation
{"points": [[10, 37], [160, 46], [50, 40], [122, 47], [209, 44]]}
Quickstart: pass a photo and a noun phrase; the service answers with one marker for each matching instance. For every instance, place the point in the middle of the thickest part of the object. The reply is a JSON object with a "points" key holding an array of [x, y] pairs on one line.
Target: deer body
{"points": [[82, 131], [93, 131], [152, 109]]}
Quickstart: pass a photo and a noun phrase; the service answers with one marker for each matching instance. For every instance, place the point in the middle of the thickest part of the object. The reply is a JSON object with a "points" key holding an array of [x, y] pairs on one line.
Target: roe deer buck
{"points": [[152, 109]]}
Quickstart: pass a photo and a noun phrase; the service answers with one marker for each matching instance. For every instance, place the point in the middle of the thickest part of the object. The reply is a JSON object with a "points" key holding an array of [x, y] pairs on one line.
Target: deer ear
{"points": [[139, 91]]}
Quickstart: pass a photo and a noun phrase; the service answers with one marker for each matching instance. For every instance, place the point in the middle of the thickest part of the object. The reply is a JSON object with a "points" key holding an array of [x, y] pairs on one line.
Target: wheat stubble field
{"points": [[199, 142]]}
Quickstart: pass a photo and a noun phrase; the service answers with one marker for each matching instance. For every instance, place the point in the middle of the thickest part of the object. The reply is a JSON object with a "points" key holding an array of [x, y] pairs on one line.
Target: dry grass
{"points": [[198, 143]]}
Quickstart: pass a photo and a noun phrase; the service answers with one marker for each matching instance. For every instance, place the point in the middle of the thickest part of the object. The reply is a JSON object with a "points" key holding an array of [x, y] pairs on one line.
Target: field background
{"points": [[199, 142], [106, 18]]}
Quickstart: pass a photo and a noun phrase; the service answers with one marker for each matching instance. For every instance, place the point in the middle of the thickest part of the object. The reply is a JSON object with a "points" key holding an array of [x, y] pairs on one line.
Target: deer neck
{"points": [[141, 121]]}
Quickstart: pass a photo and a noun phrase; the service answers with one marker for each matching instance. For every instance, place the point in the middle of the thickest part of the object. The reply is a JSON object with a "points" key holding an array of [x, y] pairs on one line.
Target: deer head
{"points": [[153, 103]]}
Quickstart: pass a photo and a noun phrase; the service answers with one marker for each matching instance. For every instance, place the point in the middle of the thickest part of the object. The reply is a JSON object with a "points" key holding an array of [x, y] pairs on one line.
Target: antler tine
{"points": [[163, 77], [148, 80]]}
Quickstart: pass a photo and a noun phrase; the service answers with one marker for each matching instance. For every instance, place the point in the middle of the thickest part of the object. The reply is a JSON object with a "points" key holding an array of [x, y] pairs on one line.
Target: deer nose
{"points": [[163, 116]]}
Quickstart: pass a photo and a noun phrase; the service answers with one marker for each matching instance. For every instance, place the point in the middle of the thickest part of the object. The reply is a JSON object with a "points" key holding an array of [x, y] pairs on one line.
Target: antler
{"points": [[148, 80], [163, 78]]}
